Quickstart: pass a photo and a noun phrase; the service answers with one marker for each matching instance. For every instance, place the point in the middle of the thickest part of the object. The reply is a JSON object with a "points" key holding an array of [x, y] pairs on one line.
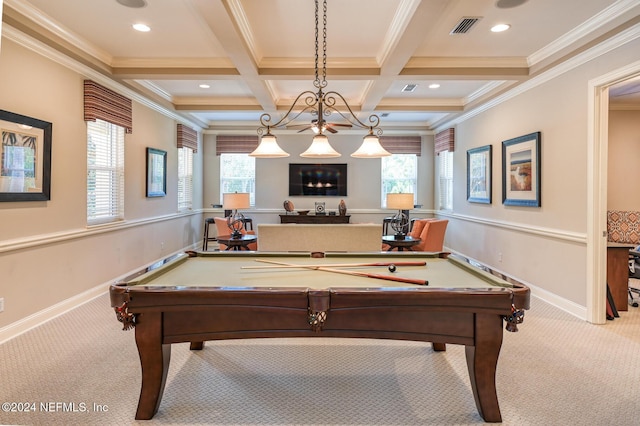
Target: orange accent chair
{"points": [[431, 233], [223, 229]]}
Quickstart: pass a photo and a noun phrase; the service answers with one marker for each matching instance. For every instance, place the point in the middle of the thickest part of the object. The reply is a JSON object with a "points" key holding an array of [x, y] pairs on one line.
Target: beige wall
{"points": [[47, 253], [545, 246], [623, 192], [363, 180]]}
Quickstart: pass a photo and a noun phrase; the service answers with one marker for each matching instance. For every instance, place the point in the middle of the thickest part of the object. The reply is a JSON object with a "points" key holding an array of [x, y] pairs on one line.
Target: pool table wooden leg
{"points": [[482, 360], [154, 360], [438, 347], [196, 346]]}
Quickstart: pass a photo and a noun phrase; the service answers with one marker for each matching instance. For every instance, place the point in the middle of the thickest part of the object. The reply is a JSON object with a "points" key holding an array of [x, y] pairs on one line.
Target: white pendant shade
{"points": [[320, 148], [268, 148], [371, 148]]}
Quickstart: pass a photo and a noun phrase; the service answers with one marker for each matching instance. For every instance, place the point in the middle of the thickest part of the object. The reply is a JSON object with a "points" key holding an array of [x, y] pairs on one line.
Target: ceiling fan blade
{"points": [[340, 125], [303, 130], [331, 129]]}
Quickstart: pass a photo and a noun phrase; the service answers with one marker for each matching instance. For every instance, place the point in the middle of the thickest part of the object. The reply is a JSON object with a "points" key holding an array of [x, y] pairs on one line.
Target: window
{"points": [[185, 178], [445, 180], [399, 174], [105, 172], [238, 174]]}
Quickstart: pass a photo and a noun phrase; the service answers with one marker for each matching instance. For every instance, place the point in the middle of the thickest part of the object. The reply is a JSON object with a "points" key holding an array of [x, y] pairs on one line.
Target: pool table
{"points": [[199, 296]]}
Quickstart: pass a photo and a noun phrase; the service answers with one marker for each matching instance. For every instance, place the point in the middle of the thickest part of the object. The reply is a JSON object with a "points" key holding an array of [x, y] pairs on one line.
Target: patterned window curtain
{"points": [[187, 138], [445, 141], [402, 144], [104, 104], [226, 144]]}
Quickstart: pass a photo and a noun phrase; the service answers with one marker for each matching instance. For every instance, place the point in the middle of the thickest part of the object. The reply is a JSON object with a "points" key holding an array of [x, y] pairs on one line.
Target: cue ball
{"points": [[392, 268]]}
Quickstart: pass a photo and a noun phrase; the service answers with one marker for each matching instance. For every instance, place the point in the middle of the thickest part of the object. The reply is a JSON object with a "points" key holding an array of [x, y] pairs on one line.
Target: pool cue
{"points": [[355, 273], [336, 265]]}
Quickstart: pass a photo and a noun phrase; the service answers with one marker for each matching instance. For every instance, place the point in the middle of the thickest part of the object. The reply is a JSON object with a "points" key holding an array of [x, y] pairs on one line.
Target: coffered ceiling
{"points": [[256, 56]]}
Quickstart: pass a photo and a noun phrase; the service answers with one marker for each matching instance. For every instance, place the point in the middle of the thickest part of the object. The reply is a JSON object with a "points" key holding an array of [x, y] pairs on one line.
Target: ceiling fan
{"points": [[316, 126]]}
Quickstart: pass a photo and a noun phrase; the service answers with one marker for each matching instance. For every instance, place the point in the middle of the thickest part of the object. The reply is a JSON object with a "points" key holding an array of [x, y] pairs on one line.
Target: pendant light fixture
{"points": [[321, 104]]}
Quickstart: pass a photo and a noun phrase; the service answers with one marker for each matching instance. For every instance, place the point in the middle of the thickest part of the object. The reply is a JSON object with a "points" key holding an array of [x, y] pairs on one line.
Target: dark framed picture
{"points": [[156, 172], [521, 171], [25, 158], [479, 166]]}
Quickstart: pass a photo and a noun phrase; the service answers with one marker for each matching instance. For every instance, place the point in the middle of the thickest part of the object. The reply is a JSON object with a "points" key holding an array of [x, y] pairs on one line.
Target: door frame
{"points": [[597, 156]]}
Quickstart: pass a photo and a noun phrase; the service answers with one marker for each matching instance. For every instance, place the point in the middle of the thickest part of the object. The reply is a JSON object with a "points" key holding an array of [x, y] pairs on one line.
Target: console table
{"points": [[314, 218]]}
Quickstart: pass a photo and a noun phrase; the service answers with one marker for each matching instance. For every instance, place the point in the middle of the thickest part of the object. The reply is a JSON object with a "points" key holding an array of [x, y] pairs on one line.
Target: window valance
{"points": [[105, 104], [243, 144], [445, 141], [187, 138], [402, 144]]}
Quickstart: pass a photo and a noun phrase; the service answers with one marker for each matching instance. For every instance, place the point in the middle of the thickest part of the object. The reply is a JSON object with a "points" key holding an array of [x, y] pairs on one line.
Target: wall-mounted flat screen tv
{"points": [[318, 179]]}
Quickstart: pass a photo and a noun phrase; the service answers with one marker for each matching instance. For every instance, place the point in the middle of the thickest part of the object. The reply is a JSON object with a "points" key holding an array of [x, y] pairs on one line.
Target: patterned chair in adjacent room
{"points": [[223, 229]]}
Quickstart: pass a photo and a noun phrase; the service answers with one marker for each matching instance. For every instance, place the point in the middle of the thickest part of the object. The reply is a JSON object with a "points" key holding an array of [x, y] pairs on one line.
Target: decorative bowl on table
{"points": [[303, 212]]}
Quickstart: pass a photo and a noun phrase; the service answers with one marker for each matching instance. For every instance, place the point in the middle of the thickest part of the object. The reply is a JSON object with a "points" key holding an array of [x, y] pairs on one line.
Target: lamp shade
{"points": [[320, 148], [268, 148], [400, 201], [235, 200], [371, 148]]}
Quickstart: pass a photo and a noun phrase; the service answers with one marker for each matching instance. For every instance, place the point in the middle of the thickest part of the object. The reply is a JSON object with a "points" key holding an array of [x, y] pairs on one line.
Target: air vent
{"points": [[465, 24], [409, 88]]}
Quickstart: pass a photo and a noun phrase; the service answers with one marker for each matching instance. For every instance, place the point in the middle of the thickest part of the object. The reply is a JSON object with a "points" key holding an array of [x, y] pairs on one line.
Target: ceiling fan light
{"points": [[268, 148], [371, 148], [320, 148]]}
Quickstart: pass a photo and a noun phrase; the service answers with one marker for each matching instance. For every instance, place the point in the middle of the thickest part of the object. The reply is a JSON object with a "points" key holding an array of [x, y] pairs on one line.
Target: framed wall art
{"points": [[479, 166], [25, 158], [156, 172], [521, 171]]}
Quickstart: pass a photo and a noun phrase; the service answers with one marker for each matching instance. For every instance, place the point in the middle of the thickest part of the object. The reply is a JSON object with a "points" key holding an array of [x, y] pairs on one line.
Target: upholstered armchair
{"points": [[223, 229], [431, 233]]}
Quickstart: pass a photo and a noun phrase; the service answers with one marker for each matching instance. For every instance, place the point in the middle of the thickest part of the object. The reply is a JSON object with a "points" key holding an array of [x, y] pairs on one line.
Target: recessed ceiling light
{"points": [[500, 27], [133, 3], [434, 86], [141, 27], [506, 4], [204, 86]]}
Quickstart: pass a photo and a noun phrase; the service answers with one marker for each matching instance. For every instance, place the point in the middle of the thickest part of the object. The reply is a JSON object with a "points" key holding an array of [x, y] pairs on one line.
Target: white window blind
{"points": [[399, 174], [238, 174], [185, 178], [445, 171], [105, 172]]}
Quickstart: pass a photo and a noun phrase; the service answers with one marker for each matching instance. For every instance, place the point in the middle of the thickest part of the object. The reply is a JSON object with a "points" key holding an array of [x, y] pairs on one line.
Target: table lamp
{"points": [[400, 222], [234, 201]]}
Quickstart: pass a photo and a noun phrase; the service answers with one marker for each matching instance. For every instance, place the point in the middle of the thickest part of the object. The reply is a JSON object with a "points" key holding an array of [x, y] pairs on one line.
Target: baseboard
{"points": [[22, 326], [561, 303]]}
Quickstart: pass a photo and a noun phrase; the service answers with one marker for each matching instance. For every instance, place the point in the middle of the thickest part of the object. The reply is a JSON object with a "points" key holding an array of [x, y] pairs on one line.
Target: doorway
{"points": [[598, 143]]}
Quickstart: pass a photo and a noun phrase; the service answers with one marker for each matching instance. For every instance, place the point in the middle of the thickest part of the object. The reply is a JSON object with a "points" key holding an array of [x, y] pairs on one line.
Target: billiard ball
{"points": [[392, 268]]}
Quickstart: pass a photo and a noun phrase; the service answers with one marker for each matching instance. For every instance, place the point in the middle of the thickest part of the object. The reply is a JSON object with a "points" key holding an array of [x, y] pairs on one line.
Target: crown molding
{"points": [[242, 23], [467, 62], [46, 51], [57, 29], [608, 45], [401, 19], [612, 12]]}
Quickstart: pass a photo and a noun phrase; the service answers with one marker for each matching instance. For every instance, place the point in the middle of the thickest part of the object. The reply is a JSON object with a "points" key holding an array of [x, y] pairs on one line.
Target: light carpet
{"points": [[557, 370]]}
